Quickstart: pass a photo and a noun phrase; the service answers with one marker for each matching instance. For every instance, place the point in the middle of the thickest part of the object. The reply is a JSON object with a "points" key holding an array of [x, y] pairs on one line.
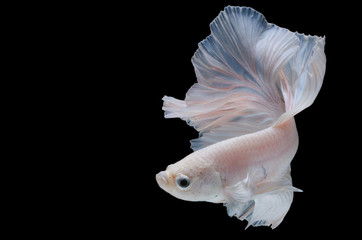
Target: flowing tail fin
{"points": [[251, 75], [302, 77]]}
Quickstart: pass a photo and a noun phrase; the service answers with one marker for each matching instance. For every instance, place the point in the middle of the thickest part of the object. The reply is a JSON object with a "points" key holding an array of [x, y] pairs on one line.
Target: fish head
{"points": [[191, 182]]}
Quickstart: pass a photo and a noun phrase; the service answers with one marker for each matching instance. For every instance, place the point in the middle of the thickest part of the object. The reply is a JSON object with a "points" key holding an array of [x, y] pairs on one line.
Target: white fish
{"points": [[252, 78]]}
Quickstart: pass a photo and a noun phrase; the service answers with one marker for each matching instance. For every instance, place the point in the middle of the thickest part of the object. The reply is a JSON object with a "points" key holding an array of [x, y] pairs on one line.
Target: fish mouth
{"points": [[162, 179]]}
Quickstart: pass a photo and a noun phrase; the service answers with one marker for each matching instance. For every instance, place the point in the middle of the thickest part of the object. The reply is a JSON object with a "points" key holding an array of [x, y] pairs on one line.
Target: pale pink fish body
{"points": [[264, 154], [253, 77]]}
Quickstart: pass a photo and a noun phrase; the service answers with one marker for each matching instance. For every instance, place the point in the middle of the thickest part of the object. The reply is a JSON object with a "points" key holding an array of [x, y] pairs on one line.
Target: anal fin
{"points": [[270, 209], [263, 206]]}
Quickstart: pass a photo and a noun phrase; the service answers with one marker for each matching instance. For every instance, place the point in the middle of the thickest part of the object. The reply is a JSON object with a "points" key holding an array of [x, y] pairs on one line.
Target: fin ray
{"points": [[250, 75], [265, 205], [302, 77]]}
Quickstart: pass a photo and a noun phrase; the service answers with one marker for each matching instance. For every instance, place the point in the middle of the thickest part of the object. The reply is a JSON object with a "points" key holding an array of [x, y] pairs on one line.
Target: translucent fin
{"points": [[270, 209], [302, 76], [238, 198], [248, 74], [262, 206]]}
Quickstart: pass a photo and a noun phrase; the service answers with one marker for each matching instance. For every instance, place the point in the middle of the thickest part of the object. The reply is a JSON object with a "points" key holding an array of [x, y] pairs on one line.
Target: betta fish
{"points": [[253, 77]]}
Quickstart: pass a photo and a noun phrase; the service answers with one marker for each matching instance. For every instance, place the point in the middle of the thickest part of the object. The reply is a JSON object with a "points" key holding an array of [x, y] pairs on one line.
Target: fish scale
{"points": [[253, 77]]}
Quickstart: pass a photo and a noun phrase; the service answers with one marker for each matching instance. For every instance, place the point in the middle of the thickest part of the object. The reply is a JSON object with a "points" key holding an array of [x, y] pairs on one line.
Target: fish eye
{"points": [[182, 181]]}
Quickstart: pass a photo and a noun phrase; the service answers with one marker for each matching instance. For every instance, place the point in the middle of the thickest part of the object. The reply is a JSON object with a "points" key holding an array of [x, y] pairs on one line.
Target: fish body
{"points": [[253, 77], [266, 154]]}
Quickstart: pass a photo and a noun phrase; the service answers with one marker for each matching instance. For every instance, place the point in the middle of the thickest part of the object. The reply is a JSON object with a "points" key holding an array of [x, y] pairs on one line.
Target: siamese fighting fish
{"points": [[253, 77]]}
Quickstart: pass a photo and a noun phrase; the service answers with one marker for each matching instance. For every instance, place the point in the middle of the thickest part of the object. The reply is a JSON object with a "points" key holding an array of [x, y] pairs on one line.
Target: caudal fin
{"points": [[302, 77], [251, 75]]}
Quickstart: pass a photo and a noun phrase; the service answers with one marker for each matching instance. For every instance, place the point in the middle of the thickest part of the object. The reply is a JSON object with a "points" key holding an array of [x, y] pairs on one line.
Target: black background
{"points": [[88, 135], [165, 40], [144, 52]]}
